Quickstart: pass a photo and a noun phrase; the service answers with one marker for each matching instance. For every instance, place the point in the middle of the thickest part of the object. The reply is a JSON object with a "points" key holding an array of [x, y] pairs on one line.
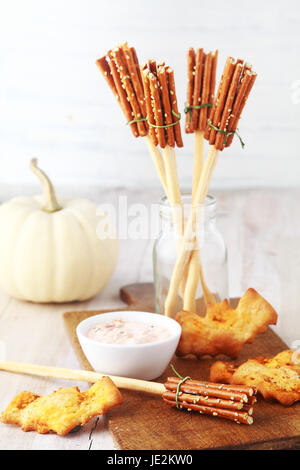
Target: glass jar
{"points": [[210, 246]]}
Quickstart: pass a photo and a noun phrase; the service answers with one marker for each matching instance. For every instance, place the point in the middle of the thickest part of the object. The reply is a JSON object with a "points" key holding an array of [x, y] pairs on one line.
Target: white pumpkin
{"points": [[49, 249]]}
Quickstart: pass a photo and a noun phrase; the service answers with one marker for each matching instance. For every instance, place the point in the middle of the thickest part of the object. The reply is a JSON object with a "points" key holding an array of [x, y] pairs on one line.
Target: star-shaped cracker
{"points": [[224, 330], [62, 410], [275, 378]]}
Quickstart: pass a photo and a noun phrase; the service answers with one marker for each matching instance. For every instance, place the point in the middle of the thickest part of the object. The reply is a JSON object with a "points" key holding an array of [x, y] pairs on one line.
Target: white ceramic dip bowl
{"points": [[140, 361]]}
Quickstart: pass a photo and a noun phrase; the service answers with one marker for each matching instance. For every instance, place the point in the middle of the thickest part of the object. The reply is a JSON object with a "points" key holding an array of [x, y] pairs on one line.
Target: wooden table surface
{"points": [[262, 231]]}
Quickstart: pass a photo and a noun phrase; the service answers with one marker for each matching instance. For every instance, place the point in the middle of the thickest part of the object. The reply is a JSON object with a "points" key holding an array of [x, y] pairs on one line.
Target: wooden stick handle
{"points": [[82, 375]]}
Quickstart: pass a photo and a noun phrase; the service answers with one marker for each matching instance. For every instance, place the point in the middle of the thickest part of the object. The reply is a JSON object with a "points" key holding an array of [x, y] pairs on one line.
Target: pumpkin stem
{"points": [[50, 202]]}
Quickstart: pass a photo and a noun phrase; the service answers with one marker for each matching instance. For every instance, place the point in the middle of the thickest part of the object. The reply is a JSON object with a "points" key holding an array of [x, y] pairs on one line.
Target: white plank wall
{"points": [[54, 103]]}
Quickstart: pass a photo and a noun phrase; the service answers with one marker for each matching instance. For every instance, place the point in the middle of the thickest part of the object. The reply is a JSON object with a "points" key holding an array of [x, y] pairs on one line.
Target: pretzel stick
{"points": [[168, 117], [157, 108], [208, 401], [149, 107], [238, 417], [241, 99], [174, 106], [191, 61], [197, 88], [205, 91]]}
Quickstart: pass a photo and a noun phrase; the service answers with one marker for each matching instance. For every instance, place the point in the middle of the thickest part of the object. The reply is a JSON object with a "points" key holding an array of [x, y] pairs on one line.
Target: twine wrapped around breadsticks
{"points": [[236, 83]]}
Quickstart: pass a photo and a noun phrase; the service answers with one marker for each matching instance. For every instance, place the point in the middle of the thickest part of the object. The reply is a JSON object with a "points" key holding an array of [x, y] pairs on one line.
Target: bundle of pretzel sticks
{"points": [[147, 96], [230, 402]]}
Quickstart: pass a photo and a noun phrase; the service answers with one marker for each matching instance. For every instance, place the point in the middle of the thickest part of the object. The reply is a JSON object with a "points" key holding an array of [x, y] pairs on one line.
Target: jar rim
{"points": [[209, 200]]}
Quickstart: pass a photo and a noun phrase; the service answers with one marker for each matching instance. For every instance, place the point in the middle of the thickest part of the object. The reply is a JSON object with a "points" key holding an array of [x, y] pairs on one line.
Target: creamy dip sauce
{"points": [[128, 332]]}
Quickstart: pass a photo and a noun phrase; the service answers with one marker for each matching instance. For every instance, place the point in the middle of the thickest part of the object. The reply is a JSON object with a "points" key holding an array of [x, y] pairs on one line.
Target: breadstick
{"points": [[184, 252], [191, 61]]}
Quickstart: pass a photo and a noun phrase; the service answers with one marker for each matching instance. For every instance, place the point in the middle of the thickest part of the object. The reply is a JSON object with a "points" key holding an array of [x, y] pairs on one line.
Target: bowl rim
{"points": [[130, 346]]}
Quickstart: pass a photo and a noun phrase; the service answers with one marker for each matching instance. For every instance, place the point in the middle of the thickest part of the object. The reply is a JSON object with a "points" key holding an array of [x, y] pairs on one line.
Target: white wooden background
{"points": [[54, 103]]}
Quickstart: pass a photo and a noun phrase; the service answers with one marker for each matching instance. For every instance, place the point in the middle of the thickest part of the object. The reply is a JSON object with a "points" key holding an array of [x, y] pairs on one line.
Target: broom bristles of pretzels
{"points": [[236, 416], [208, 401], [233, 403], [161, 104], [117, 56], [235, 86], [241, 99], [121, 71]]}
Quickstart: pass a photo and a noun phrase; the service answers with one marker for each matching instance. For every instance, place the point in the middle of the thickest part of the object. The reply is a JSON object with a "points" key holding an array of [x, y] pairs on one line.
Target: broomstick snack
{"points": [[148, 100], [200, 94], [234, 88], [232, 402], [276, 378]]}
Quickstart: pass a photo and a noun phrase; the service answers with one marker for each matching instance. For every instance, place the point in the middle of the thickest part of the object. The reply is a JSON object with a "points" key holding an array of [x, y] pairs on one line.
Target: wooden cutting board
{"points": [[145, 422]]}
